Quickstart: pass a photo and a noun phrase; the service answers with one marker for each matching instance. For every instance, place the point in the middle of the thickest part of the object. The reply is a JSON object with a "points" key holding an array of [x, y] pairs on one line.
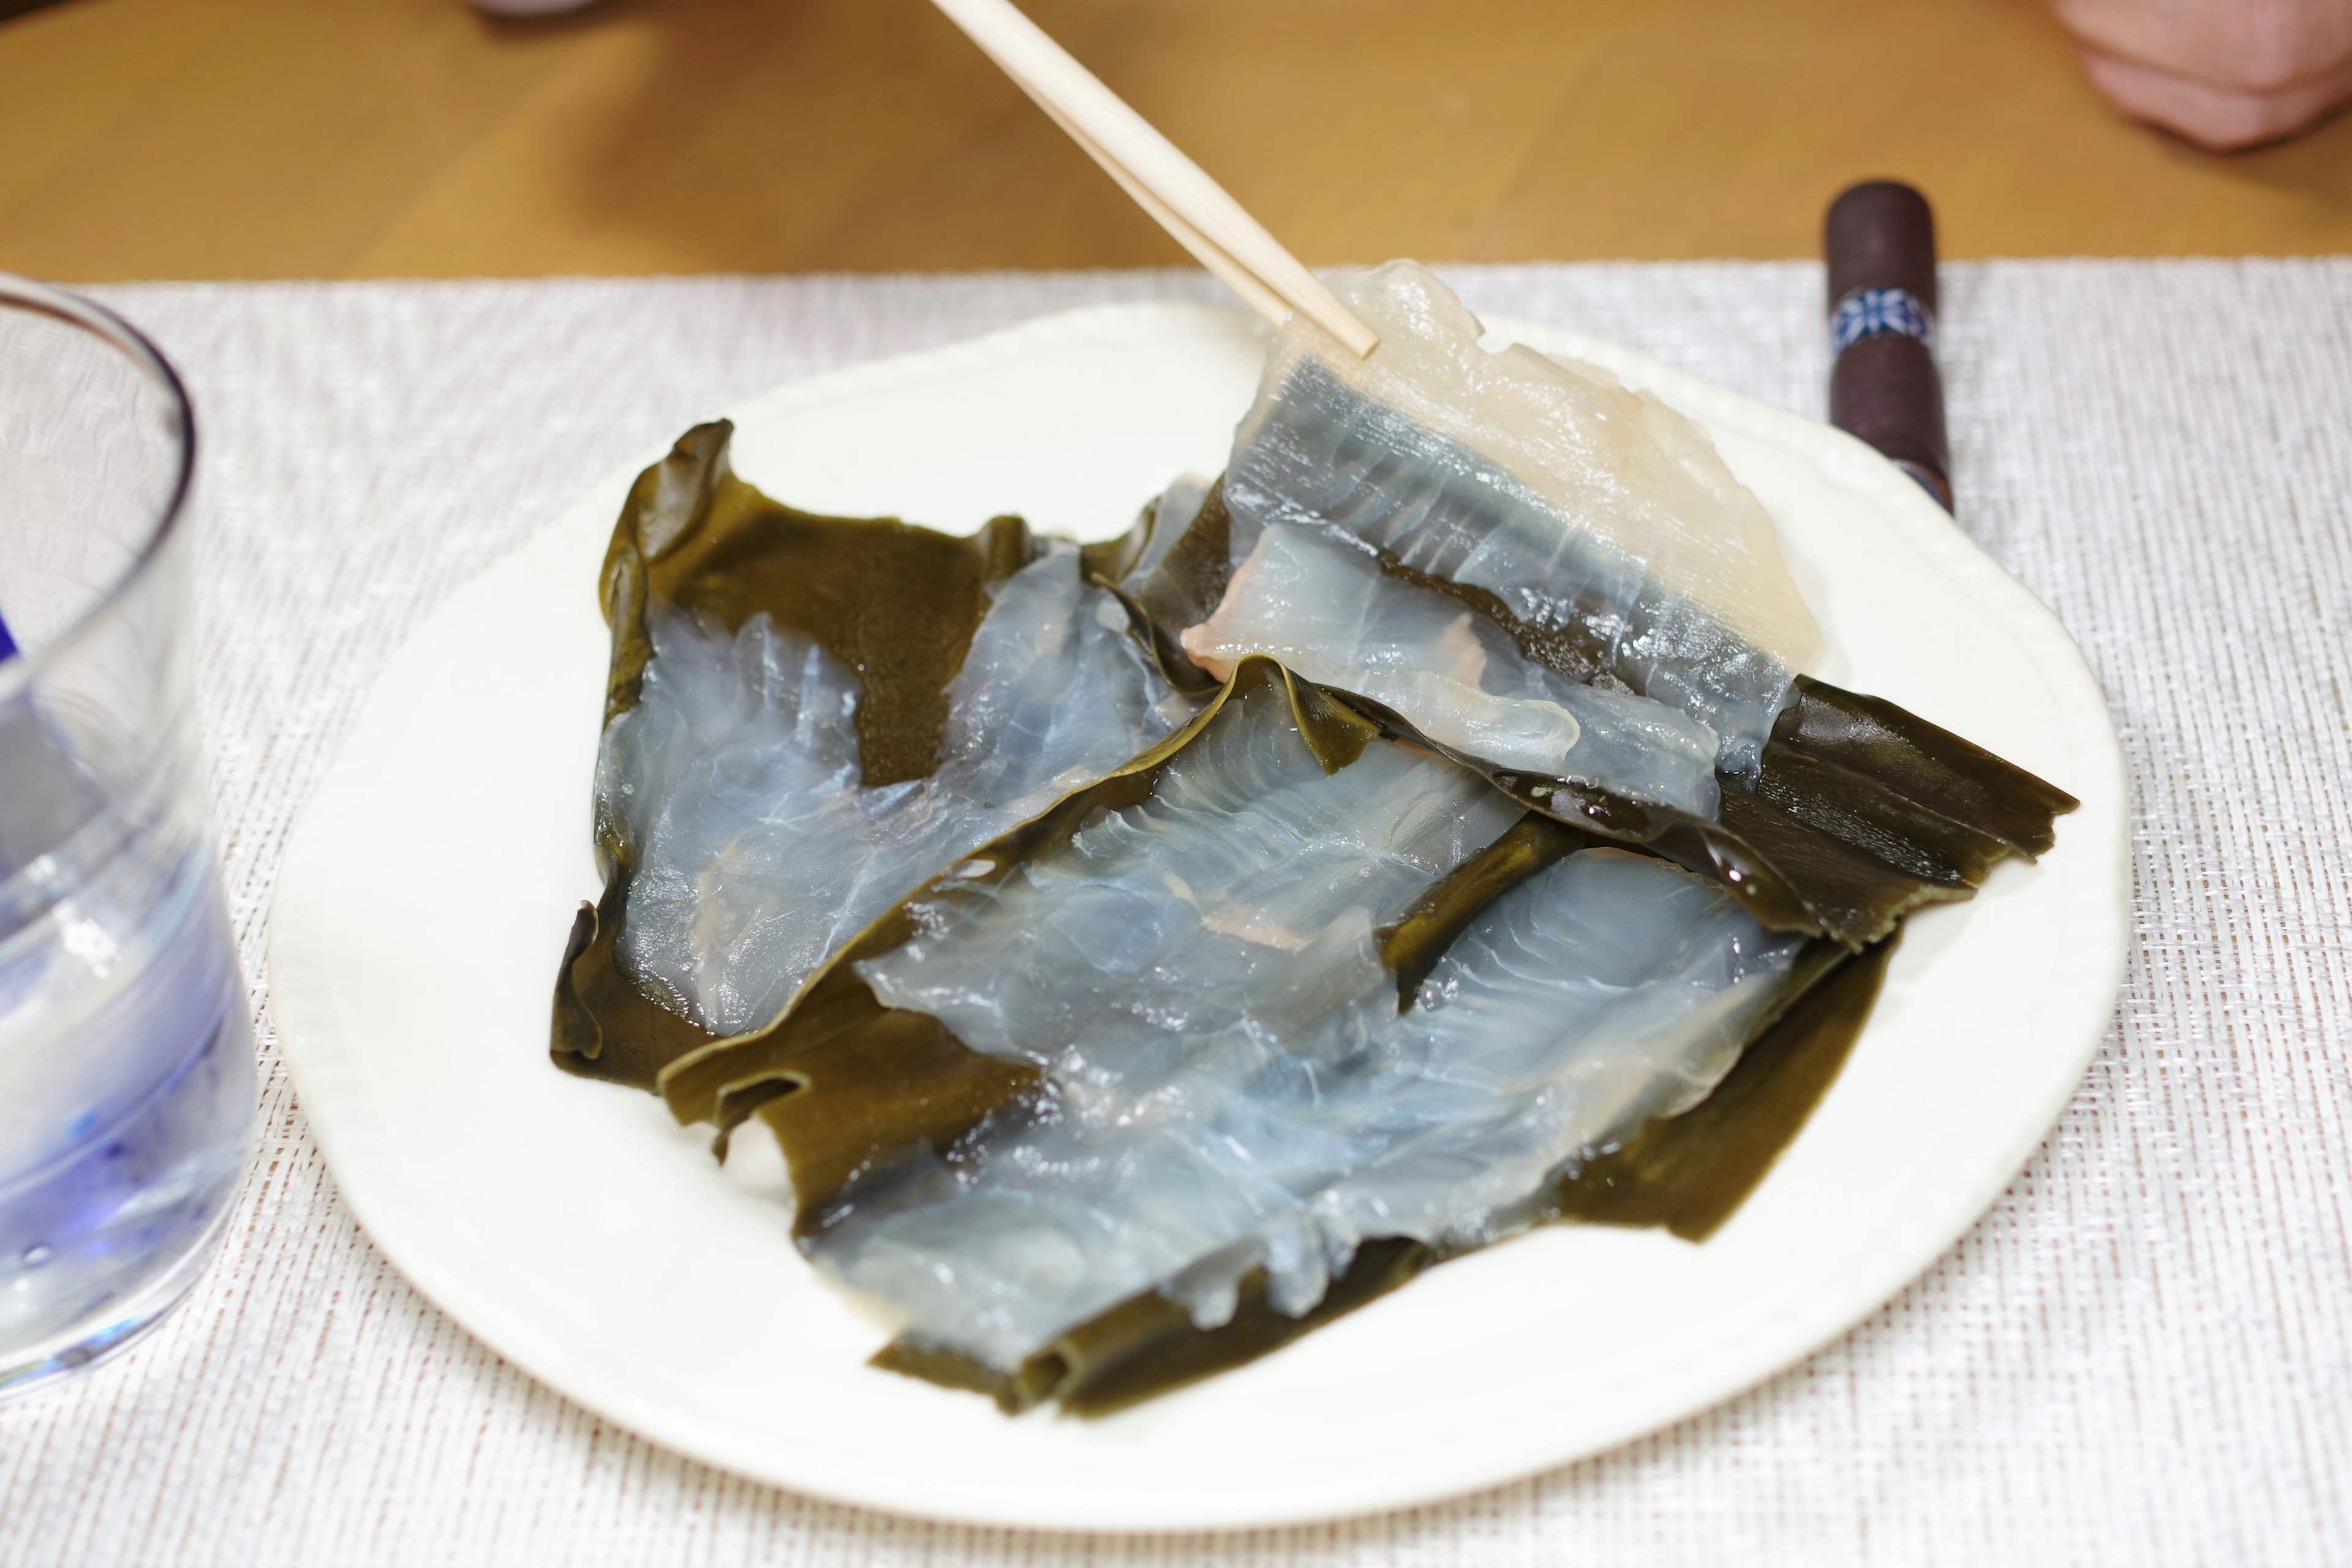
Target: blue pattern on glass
{"points": [[1878, 312]]}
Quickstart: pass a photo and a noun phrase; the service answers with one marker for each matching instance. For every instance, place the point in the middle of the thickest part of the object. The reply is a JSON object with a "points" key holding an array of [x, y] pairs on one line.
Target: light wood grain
{"points": [[328, 138]]}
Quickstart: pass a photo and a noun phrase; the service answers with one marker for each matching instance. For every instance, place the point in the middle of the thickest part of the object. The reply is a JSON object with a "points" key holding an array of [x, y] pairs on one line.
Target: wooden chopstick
{"points": [[1206, 251], [1192, 207]]}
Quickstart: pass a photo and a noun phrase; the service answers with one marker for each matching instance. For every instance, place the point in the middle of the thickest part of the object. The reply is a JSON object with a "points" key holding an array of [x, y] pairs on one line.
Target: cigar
{"points": [[1880, 241]]}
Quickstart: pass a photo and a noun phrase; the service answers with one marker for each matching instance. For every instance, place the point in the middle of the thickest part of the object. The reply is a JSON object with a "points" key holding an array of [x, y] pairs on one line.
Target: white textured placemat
{"points": [[2143, 1356]]}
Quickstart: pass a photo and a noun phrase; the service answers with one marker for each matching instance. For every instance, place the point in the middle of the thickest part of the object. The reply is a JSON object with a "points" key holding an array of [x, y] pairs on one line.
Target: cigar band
{"points": [[1879, 312]]}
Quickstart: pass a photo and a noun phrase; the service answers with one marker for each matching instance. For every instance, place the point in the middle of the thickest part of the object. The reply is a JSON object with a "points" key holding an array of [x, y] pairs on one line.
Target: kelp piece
{"points": [[736, 777], [1684, 1173], [1411, 947], [1593, 512], [1149, 1344], [1326, 608], [1827, 843], [767, 664], [1599, 532], [604, 1026], [1225, 1083], [837, 1021], [1169, 570], [1197, 976], [1875, 773], [1688, 1174], [1855, 795], [1857, 811], [894, 603]]}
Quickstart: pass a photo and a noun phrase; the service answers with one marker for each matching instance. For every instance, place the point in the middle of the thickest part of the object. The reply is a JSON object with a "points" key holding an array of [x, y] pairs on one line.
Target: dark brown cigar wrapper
{"points": [[1881, 235], [1886, 388]]}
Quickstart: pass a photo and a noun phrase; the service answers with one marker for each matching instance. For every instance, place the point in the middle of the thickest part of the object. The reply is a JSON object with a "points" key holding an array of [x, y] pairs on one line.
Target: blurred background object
{"points": [[529, 7], [336, 138], [2226, 74]]}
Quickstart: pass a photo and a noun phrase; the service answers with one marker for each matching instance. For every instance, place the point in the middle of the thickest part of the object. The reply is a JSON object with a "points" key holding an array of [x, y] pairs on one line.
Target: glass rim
{"points": [[30, 294]]}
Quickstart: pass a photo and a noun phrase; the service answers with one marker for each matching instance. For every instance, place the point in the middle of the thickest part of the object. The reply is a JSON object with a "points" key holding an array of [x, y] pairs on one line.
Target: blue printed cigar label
{"points": [[1878, 312]]}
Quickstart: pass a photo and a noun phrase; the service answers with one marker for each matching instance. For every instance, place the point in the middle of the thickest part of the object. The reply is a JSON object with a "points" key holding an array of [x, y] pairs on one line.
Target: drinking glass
{"points": [[126, 1059]]}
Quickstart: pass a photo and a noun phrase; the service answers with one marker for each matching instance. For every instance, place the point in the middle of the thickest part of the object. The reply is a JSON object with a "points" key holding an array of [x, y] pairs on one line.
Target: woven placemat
{"points": [[2142, 1355]]}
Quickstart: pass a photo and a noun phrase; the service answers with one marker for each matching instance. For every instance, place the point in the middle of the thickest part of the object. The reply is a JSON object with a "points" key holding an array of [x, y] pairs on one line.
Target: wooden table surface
{"points": [[353, 138]]}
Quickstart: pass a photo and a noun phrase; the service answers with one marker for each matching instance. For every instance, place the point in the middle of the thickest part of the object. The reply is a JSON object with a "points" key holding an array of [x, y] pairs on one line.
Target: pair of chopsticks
{"points": [[1193, 208]]}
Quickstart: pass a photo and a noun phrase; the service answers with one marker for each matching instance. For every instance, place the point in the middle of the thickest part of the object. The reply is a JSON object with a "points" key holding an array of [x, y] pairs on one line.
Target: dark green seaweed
{"points": [[896, 603], [1148, 1344], [1413, 946], [1685, 1174], [1860, 814], [1182, 591], [836, 1033], [1688, 1174]]}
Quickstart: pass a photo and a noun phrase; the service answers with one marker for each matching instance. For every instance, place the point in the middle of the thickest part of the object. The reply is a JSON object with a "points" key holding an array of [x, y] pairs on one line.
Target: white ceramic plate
{"points": [[427, 892]]}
